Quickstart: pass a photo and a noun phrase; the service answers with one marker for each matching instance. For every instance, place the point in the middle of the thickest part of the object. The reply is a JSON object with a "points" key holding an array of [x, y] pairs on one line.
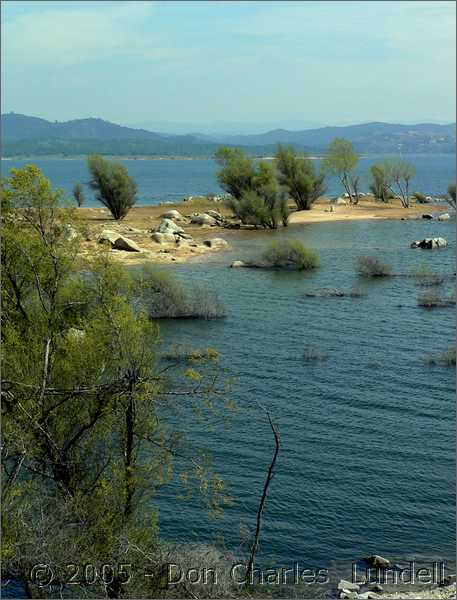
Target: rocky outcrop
{"points": [[378, 562], [203, 219], [169, 226], [429, 243], [174, 215], [118, 241]]}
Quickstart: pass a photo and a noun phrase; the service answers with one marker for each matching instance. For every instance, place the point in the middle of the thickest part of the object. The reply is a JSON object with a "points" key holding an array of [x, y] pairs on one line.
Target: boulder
{"points": [[448, 580], [348, 586], [427, 216], [174, 215], [215, 243], [203, 219], [118, 241], [185, 236], [216, 215], [429, 243], [378, 562], [169, 226], [69, 233], [108, 236], [444, 217], [163, 238], [368, 596], [347, 595], [125, 243], [237, 264], [339, 201]]}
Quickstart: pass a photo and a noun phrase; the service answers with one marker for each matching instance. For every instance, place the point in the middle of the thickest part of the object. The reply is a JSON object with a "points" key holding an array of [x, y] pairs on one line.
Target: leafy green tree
{"points": [[341, 160], [85, 444], [298, 175], [451, 194], [114, 187], [256, 196], [78, 194], [398, 177], [379, 185]]}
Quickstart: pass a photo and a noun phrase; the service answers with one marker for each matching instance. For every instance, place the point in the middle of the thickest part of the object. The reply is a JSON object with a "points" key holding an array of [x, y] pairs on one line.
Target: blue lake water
{"points": [[167, 179], [368, 435]]}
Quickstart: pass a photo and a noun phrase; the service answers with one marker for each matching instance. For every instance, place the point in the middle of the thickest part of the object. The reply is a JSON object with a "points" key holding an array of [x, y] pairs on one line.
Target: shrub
{"points": [[78, 194], [425, 277], [313, 354], [451, 195], [372, 266], [291, 254], [114, 187], [443, 358], [166, 298], [433, 299], [420, 197], [179, 353]]}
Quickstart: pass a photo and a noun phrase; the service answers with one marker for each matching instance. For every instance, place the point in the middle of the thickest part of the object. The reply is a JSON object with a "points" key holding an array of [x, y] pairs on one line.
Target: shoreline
{"points": [[142, 220]]}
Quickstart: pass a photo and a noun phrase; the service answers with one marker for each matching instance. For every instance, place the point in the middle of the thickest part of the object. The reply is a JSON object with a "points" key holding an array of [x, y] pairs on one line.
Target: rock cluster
{"points": [[429, 243], [118, 241]]}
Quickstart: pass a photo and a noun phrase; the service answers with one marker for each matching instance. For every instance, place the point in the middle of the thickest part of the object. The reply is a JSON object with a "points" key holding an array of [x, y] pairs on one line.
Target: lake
{"points": [[166, 180], [368, 435]]}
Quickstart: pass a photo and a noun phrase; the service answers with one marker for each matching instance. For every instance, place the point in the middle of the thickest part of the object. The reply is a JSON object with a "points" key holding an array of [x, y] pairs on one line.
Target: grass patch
{"points": [[291, 254], [164, 297], [181, 354], [425, 277], [446, 359], [372, 266]]}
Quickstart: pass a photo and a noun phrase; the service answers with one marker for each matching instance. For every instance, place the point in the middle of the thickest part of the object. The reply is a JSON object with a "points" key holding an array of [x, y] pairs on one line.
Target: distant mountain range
{"points": [[24, 135]]}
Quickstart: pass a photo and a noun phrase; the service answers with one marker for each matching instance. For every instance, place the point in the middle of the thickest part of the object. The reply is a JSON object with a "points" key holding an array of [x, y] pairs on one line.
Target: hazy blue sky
{"points": [[270, 62]]}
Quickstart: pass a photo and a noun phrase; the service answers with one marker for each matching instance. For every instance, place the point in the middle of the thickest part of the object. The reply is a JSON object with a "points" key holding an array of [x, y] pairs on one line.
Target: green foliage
{"points": [[379, 185], [256, 198], [446, 358], [85, 442], [341, 160], [291, 254], [420, 197], [164, 297], [114, 187], [298, 175], [372, 266], [78, 194]]}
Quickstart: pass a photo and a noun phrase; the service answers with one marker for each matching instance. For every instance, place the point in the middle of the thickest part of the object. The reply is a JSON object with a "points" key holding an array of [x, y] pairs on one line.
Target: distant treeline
{"points": [[134, 147], [141, 147]]}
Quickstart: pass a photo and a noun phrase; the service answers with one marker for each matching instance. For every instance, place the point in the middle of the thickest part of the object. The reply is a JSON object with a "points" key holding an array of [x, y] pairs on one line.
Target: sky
{"points": [[217, 63]]}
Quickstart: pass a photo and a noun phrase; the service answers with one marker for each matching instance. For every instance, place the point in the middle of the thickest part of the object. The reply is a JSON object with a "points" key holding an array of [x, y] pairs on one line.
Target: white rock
{"points": [[169, 226], [163, 238], [203, 219], [215, 243], [118, 241], [174, 215]]}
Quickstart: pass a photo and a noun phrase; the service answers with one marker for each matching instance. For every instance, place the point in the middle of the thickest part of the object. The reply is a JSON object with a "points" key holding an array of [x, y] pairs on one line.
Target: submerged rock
{"points": [[348, 586], [429, 243], [378, 562], [215, 243]]}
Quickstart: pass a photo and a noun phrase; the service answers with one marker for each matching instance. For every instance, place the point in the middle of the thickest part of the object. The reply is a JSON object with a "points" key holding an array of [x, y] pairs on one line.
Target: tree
{"points": [[298, 175], [398, 176], [341, 160], [451, 195], [114, 187], [84, 444], [379, 185], [78, 194], [256, 197]]}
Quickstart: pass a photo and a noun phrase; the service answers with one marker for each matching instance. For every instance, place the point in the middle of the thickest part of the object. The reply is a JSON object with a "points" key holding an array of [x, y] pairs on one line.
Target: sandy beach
{"points": [[142, 220]]}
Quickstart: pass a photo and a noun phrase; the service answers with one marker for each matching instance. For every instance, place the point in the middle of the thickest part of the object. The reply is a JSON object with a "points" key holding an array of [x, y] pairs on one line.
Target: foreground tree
{"points": [[78, 194], [341, 160], [85, 444], [398, 175], [256, 196], [114, 187], [297, 174]]}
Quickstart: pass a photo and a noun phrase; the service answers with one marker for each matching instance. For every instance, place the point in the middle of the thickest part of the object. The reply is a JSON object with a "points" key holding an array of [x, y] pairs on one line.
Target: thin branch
{"points": [[270, 474]]}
